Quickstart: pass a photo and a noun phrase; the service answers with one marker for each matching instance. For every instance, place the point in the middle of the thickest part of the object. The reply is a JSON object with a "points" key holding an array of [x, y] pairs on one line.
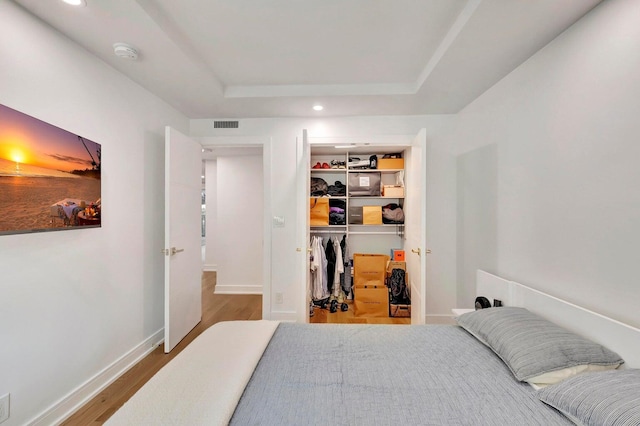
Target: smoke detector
{"points": [[125, 51]]}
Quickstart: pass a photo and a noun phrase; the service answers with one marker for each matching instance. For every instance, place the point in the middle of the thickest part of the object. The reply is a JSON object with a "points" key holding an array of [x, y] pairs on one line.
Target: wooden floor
{"points": [[215, 308], [323, 316]]}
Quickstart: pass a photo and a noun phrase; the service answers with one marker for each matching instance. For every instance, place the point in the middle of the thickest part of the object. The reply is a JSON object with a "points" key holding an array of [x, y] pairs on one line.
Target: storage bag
{"points": [[364, 184], [319, 212]]}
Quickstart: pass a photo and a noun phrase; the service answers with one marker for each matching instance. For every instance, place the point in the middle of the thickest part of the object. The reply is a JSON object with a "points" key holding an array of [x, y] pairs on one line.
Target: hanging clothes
{"points": [[338, 269], [318, 268], [331, 264], [345, 277]]}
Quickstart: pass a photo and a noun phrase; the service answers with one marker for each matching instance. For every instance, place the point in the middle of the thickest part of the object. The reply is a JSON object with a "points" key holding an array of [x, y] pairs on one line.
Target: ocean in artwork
{"points": [[27, 203]]}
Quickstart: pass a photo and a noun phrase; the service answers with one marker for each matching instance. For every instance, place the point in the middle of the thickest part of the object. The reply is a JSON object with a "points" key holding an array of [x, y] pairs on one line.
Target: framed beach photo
{"points": [[49, 177]]}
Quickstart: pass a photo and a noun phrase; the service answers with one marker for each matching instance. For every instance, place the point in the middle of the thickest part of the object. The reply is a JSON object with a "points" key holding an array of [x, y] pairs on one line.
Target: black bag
{"points": [[338, 189], [319, 187], [398, 286]]}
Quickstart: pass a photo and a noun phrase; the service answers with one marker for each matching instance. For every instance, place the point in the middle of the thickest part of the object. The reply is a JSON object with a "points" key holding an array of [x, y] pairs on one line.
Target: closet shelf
{"points": [[374, 197], [372, 233], [374, 170], [326, 231], [385, 236]]}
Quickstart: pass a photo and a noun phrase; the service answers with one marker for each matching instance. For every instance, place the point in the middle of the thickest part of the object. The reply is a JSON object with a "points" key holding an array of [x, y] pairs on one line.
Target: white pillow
{"points": [[552, 377]]}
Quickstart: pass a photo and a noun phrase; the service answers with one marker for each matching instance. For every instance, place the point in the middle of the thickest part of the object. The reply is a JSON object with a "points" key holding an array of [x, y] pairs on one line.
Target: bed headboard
{"points": [[615, 335]]}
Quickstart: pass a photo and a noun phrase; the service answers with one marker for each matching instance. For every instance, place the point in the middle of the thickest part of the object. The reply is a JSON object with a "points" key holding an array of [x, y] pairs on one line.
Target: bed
{"points": [[474, 373]]}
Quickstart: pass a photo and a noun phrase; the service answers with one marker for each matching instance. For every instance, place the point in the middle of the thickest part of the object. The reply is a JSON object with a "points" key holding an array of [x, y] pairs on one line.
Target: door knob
{"points": [[418, 252], [175, 250]]}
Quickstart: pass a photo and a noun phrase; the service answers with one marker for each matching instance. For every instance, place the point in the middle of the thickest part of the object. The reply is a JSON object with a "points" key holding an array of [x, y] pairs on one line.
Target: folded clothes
{"points": [[337, 218]]}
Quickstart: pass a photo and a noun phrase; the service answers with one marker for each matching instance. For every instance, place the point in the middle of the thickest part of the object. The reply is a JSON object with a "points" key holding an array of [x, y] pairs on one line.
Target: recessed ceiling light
{"points": [[76, 2], [318, 107]]}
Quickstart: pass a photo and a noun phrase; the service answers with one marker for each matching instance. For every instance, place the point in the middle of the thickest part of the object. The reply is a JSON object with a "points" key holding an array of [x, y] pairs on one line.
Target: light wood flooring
{"points": [[323, 316], [215, 308]]}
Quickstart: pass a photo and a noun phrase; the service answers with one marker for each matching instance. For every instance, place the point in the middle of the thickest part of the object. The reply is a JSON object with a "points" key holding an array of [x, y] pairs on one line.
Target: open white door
{"points": [[182, 251], [415, 244], [302, 226]]}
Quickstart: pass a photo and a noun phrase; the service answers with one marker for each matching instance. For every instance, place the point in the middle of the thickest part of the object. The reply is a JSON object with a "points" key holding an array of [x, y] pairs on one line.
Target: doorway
{"points": [[237, 237]]}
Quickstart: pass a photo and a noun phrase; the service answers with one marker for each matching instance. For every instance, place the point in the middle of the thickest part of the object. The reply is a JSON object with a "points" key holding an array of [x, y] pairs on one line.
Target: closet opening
{"points": [[358, 199]]}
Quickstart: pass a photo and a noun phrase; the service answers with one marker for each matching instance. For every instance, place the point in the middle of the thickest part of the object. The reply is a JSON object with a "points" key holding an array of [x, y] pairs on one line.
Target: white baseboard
{"points": [[210, 267], [238, 289], [69, 404], [440, 319], [286, 316]]}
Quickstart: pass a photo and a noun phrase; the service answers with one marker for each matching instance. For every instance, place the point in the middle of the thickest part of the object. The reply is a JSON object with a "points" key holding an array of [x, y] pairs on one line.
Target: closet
{"points": [[356, 180]]}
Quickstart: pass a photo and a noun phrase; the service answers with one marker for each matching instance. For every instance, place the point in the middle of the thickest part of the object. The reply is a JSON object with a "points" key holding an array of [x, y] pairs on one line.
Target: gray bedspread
{"points": [[385, 375]]}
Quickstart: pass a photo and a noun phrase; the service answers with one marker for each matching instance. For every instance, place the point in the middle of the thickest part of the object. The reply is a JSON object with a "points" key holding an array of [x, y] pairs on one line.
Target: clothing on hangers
{"points": [[338, 269], [345, 277], [318, 268]]}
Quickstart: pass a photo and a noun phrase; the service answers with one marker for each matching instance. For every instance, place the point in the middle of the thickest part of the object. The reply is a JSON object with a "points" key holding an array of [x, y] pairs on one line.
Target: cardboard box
{"points": [[370, 294], [371, 300], [393, 191], [390, 163], [369, 269], [399, 311], [372, 215]]}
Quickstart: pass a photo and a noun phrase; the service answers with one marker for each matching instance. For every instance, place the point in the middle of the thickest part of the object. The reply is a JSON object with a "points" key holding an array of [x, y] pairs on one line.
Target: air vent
{"points": [[225, 124]]}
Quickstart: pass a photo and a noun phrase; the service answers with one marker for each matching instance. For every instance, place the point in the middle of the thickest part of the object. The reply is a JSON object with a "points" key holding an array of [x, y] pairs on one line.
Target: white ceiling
{"points": [[277, 58]]}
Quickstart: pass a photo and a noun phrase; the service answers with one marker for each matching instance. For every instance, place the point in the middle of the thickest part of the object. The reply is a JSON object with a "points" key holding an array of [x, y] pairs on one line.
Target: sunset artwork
{"points": [[49, 177]]}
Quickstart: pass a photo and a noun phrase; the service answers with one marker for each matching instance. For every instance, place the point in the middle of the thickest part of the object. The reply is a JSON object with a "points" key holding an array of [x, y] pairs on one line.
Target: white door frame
{"points": [[244, 142], [415, 242], [302, 221]]}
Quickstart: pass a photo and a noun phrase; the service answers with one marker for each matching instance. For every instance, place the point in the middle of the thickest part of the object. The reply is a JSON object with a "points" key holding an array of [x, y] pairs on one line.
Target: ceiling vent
{"points": [[226, 124]]}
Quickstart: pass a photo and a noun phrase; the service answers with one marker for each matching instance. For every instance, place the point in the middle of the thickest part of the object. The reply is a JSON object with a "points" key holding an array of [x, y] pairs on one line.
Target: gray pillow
{"points": [[532, 346], [598, 399]]}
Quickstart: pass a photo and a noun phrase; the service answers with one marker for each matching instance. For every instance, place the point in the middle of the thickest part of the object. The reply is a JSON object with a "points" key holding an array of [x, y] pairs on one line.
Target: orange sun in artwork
{"points": [[16, 152], [17, 156]]}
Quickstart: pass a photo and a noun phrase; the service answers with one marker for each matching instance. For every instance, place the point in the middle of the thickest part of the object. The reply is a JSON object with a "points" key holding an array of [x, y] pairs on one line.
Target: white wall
{"points": [[477, 230], [239, 226], [283, 134], [565, 126], [73, 303], [211, 194]]}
